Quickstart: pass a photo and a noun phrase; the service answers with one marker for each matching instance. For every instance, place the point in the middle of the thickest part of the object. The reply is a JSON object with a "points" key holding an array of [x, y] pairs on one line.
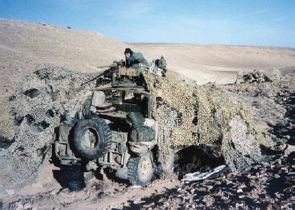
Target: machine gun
{"points": [[113, 68], [121, 75]]}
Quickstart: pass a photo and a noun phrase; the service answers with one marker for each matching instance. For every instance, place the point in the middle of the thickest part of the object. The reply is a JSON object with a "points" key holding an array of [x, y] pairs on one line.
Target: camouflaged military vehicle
{"points": [[117, 131]]}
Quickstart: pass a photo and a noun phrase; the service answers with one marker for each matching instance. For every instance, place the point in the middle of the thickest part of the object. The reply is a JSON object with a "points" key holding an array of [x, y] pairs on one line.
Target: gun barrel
{"points": [[104, 73], [84, 83], [112, 65]]}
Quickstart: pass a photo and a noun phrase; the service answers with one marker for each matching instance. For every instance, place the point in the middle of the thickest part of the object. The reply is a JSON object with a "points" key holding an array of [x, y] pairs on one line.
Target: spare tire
{"points": [[92, 138]]}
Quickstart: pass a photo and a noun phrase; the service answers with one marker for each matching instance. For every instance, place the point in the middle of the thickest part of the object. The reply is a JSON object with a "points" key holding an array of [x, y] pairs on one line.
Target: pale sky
{"points": [[225, 22]]}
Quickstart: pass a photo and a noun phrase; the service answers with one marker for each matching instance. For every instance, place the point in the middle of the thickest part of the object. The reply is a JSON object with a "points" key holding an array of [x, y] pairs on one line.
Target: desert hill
{"points": [[26, 47], [218, 63]]}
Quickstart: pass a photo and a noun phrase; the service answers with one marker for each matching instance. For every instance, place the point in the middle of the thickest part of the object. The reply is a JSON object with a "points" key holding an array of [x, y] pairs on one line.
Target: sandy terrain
{"points": [[26, 47], [210, 63]]}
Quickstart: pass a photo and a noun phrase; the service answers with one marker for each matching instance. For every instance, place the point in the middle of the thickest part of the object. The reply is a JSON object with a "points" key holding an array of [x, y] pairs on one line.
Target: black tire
{"points": [[167, 164], [72, 177], [140, 170], [92, 138]]}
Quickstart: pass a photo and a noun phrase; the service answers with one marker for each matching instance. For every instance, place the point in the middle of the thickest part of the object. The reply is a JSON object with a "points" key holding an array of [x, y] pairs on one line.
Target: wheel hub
{"points": [[145, 167], [90, 139]]}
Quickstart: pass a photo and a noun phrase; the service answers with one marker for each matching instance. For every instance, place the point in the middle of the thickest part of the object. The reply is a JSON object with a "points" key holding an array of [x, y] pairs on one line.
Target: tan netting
{"points": [[207, 113]]}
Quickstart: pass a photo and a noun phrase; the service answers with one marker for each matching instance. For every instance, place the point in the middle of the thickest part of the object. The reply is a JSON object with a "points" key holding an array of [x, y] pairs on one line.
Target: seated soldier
{"points": [[134, 59]]}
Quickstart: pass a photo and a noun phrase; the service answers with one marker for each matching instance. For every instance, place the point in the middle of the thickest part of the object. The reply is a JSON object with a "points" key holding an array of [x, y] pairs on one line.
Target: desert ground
{"points": [[26, 47]]}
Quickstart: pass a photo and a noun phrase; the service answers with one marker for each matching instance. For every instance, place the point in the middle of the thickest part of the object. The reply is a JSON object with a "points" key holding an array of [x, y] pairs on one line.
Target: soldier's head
{"points": [[128, 52]]}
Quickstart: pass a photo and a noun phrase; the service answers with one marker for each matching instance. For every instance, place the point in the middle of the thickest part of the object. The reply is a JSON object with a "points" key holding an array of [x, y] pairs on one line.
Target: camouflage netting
{"points": [[6, 124], [192, 115], [259, 76], [209, 116], [36, 106]]}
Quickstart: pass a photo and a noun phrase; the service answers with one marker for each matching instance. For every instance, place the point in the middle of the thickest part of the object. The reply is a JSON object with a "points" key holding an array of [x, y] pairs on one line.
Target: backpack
{"points": [[142, 134]]}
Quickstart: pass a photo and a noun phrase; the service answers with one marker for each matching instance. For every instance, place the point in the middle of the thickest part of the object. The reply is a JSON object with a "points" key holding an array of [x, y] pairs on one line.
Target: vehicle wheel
{"points": [[92, 138], [140, 170], [167, 161], [72, 177]]}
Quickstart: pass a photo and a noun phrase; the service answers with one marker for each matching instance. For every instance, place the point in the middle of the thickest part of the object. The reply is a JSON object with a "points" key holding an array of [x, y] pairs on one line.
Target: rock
{"points": [[273, 75], [35, 205], [27, 206], [208, 200], [276, 206], [269, 207], [258, 76], [241, 77], [19, 206], [56, 191], [10, 192], [289, 149], [240, 191], [138, 201]]}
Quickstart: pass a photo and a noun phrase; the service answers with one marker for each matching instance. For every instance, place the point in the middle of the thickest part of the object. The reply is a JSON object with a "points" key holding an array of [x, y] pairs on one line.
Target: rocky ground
{"points": [[269, 185], [266, 186], [269, 97]]}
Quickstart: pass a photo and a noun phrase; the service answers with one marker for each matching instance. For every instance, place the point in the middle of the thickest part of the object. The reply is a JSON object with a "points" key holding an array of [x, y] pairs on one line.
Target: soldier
{"points": [[134, 59]]}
